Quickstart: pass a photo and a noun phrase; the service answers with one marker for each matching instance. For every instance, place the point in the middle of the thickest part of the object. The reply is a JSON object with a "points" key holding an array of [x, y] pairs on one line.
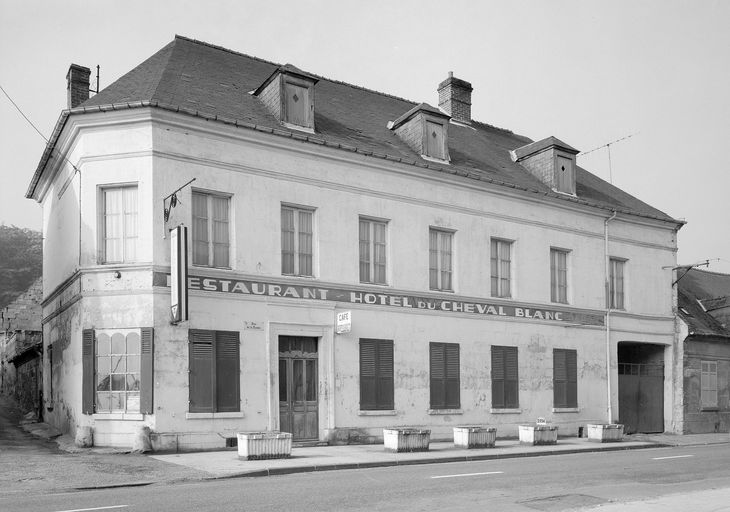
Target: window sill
{"points": [[200, 265], [505, 411], [212, 415], [112, 416], [377, 413], [437, 412], [565, 409]]}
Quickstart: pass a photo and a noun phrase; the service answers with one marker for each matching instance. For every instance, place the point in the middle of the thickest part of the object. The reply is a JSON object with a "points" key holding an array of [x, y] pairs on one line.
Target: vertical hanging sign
{"points": [[178, 274]]}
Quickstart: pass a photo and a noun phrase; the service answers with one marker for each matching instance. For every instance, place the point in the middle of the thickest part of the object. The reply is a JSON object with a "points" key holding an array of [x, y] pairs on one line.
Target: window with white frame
{"points": [[119, 224], [211, 229], [559, 275], [616, 283], [708, 384], [440, 252], [372, 251], [297, 233], [118, 355], [501, 271]]}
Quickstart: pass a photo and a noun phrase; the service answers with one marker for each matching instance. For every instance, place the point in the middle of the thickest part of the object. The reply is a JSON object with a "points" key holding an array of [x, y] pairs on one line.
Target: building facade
{"points": [[473, 263]]}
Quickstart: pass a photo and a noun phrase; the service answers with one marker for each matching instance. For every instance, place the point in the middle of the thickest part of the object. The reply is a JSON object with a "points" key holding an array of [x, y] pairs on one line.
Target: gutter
{"points": [[608, 319]]}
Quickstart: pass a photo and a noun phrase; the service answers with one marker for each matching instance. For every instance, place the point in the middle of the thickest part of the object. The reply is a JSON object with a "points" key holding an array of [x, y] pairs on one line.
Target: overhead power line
{"points": [[608, 148]]}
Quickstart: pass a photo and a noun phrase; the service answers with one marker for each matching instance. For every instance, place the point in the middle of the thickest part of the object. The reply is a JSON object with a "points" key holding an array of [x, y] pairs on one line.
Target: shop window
{"points": [[440, 265], [214, 361], [444, 372], [708, 384], [505, 383], [501, 268], [119, 224], [211, 230], [376, 375], [372, 251], [297, 233], [565, 378]]}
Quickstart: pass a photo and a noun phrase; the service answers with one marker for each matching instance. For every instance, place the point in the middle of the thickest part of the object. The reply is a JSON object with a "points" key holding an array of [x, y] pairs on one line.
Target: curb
{"points": [[435, 460]]}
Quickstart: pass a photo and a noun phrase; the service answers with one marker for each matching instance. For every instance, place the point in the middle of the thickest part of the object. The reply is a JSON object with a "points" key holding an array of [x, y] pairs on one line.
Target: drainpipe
{"points": [[608, 319]]}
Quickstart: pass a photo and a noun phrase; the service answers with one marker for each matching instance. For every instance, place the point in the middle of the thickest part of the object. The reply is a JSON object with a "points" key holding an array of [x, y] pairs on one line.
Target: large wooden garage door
{"points": [[641, 397]]}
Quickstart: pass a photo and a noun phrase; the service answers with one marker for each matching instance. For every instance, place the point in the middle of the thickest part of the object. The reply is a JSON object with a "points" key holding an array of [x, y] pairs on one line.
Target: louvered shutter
{"points": [[202, 376], [438, 375], [146, 405], [511, 388], [452, 393], [227, 357], [498, 377], [385, 375], [368, 375], [571, 365], [559, 379], [87, 370]]}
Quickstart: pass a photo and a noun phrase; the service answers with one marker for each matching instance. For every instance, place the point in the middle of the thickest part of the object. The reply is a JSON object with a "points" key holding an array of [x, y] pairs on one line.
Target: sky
{"points": [[588, 72]]}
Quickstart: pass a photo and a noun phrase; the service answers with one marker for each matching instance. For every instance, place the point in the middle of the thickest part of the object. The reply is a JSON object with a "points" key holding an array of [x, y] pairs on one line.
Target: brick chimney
{"points": [[77, 80], [455, 98]]}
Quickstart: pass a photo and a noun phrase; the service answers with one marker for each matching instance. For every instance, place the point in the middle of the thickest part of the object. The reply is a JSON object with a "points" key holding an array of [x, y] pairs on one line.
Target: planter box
{"points": [[406, 439], [264, 445], [538, 434], [475, 437], [609, 433]]}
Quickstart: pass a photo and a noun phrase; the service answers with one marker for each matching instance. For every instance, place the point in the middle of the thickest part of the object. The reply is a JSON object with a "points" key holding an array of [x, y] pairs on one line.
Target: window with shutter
{"points": [[505, 382], [117, 373], [214, 367], [565, 378], [376, 374], [444, 371]]}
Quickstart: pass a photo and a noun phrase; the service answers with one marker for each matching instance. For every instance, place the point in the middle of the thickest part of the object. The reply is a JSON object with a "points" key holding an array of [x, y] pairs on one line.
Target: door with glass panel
{"points": [[298, 398]]}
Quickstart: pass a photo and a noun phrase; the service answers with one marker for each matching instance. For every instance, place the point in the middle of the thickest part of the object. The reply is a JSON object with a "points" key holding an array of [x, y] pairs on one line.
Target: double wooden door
{"points": [[298, 382], [641, 397]]}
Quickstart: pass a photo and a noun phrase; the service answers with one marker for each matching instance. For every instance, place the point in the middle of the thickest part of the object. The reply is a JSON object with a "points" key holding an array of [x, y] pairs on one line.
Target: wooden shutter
{"points": [[452, 388], [497, 377], [376, 374], [385, 375], [559, 379], [202, 376], [505, 381], [437, 363], [146, 405], [227, 358], [87, 366], [571, 366]]}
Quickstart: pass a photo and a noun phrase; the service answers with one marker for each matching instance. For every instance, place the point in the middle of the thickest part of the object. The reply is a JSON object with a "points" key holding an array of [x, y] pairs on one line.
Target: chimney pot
{"points": [[77, 85], [455, 98]]}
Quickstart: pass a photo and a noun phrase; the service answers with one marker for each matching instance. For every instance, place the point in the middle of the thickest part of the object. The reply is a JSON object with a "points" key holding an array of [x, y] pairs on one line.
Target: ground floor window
{"points": [[505, 382], [376, 375], [708, 384], [117, 370], [565, 378], [214, 358], [444, 371]]}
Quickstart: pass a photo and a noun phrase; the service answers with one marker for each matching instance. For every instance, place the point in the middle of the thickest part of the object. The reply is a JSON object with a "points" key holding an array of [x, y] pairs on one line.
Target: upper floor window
{"points": [[297, 104], [616, 283], [296, 241], [440, 267], [372, 251], [211, 235], [501, 261], [119, 226], [435, 146], [708, 384], [559, 276]]}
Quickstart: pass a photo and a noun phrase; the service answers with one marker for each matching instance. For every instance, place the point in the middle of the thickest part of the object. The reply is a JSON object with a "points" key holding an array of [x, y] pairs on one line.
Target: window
{"points": [[565, 378], [297, 105], [296, 241], [372, 251], [500, 267], [376, 375], [616, 283], [565, 175], [444, 370], [559, 276], [211, 245], [119, 225], [117, 370], [505, 383], [439, 261], [708, 384], [435, 141], [214, 371]]}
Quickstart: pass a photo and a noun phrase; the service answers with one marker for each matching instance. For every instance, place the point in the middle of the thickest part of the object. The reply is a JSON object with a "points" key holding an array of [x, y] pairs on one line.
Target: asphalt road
{"points": [[551, 483]]}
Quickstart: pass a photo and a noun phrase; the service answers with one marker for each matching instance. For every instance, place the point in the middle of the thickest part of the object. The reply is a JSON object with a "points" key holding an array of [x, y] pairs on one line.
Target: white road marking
{"points": [[673, 457], [95, 508], [470, 474]]}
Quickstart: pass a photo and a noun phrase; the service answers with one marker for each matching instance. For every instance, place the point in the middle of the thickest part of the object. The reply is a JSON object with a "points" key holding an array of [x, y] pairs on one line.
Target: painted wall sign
{"points": [[443, 304], [178, 274], [344, 322]]}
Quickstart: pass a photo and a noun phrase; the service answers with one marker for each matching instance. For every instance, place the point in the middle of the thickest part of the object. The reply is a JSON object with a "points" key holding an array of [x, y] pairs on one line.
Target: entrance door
{"points": [[641, 397], [298, 402]]}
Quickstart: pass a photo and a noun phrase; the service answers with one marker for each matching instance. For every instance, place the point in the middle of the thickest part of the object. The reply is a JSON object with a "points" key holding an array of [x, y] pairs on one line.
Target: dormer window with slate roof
{"points": [[425, 130], [288, 93], [550, 160]]}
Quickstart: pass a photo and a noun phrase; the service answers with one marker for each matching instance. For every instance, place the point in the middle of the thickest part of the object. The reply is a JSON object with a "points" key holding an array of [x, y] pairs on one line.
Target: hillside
{"points": [[21, 261]]}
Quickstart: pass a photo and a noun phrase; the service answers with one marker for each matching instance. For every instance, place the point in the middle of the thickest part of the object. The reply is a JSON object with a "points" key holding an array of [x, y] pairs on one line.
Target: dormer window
{"points": [[565, 175], [289, 95], [551, 161], [425, 130]]}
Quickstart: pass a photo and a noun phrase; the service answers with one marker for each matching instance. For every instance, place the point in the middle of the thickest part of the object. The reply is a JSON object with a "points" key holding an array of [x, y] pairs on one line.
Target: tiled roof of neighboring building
{"points": [[703, 302], [215, 83]]}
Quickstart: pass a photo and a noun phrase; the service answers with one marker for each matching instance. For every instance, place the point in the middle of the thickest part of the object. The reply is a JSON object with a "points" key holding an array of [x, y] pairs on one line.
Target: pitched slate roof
{"points": [[703, 302], [215, 83]]}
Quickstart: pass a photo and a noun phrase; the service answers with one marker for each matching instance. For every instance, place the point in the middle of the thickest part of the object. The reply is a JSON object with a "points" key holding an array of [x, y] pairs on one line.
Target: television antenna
{"points": [[608, 148]]}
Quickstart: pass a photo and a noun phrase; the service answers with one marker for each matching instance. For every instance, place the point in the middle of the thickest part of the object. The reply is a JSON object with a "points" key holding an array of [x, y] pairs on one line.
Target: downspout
{"points": [[608, 319]]}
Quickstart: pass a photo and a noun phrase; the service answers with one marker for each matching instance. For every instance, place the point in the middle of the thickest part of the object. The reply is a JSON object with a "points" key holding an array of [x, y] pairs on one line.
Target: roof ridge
{"points": [[715, 272]]}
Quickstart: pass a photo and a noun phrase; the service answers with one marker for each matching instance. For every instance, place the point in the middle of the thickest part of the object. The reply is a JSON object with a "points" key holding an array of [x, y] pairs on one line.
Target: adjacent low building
{"points": [[478, 277]]}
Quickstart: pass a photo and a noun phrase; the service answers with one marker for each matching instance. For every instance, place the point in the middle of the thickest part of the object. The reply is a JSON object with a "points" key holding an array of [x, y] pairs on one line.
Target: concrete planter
{"points": [[406, 439], [264, 445], [475, 437], [538, 434], [606, 433]]}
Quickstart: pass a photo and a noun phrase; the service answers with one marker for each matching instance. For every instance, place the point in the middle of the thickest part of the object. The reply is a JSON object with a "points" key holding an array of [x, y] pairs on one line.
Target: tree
{"points": [[21, 261]]}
